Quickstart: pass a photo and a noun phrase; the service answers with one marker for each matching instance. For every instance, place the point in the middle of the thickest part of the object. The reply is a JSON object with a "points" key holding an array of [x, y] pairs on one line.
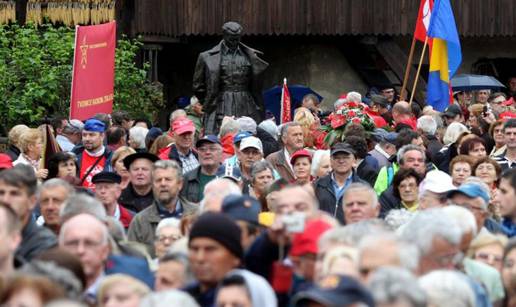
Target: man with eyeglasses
{"points": [[87, 237], [167, 232], [210, 158], [330, 189]]}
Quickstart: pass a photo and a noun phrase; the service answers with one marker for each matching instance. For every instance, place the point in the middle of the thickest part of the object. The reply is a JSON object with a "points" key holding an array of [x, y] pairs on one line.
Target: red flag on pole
{"points": [[285, 104], [423, 19], [93, 70]]}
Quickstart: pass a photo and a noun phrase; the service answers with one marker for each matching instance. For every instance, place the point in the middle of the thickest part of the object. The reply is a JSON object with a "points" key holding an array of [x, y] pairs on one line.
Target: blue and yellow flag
{"points": [[446, 54]]}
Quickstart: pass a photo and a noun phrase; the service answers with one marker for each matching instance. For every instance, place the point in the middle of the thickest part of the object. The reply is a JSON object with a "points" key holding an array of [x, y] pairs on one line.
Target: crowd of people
{"points": [[419, 210]]}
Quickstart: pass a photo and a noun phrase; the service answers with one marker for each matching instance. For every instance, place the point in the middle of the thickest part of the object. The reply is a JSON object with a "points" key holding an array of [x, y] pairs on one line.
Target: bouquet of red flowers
{"points": [[348, 113]]}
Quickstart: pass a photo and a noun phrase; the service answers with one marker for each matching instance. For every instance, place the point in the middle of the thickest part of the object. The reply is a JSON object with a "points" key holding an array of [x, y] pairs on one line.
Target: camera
{"points": [[294, 223]]}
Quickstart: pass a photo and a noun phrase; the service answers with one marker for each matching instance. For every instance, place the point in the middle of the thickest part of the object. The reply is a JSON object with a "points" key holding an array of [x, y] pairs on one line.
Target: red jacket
{"points": [[126, 216]]}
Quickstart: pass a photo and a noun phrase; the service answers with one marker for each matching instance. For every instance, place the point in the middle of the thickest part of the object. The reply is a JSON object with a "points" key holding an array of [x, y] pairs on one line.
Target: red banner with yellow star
{"points": [[93, 71]]}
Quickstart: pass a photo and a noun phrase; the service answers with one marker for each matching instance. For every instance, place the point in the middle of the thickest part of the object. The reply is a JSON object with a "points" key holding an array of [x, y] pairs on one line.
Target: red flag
{"points": [[285, 104], [93, 70], [423, 19]]}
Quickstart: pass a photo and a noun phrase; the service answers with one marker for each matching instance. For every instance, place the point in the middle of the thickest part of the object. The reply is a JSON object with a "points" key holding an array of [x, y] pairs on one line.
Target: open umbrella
{"points": [[272, 98], [465, 82]]}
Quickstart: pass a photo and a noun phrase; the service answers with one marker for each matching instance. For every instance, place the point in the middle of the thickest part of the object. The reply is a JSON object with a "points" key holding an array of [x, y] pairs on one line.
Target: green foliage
{"points": [[36, 74]]}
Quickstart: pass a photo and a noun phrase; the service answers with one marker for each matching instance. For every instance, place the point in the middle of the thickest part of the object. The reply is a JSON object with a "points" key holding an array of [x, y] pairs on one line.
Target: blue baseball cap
{"points": [[241, 135], [471, 190], [335, 290], [94, 125], [229, 171], [241, 208], [210, 138]]}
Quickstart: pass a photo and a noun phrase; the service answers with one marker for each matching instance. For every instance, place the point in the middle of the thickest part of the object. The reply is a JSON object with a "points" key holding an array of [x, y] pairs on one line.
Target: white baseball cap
{"points": [[251, 141], [436, 181]]}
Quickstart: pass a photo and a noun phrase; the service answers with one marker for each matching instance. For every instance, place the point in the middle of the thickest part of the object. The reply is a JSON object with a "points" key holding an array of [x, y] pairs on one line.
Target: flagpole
{"points": [[408, 68], [418, 70], [281, 101]]}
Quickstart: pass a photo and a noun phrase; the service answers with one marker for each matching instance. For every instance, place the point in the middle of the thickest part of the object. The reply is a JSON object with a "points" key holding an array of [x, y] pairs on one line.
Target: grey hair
{"points": [[176, 114], [194, 100], [390, 285], [168, 222], [354, 96], [181, 258], [54, 183], [260, 166], [316, 160], [408, 254], [427, 124], [227, 187], [270, 127], [246, 123], [82, 203], [284, 128], [398, 217], [447, 288], [230, 125], [364, 187], [168, 164], [57, 274], [453, 132], [350, 235], [409, 147], [428, 224], [168, 298], [105, 230], [463, 217], [138, 134]]}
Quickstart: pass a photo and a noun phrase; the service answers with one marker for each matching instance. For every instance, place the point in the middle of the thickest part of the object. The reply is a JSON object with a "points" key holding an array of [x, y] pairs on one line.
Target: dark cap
{"points": [[106, 177], [452, 111], [231, 27], [139, 155], [241, 208], [220, 228], [380, 100], [335, 290], [381, 135], [342, 147], [210, 138], [229, 171]]}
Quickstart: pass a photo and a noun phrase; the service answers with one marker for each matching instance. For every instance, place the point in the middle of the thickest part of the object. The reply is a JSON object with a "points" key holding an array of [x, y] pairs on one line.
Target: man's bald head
{"points": [[85, 221]]}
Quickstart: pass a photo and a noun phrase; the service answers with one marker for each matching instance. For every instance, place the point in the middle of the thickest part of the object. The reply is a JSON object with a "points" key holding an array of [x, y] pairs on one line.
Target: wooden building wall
{"points": [[175, 18]]}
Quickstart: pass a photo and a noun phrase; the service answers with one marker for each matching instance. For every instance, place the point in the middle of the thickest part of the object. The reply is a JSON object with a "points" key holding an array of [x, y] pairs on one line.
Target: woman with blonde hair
{"points": [[308, 123], [117, 162], [488, 248], [31, 145], [14, 141], [121, 290]]}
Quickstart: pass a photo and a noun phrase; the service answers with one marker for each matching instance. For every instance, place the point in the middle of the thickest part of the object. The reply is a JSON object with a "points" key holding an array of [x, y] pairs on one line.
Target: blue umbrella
{"points": [[465, 82], [272, 98]]}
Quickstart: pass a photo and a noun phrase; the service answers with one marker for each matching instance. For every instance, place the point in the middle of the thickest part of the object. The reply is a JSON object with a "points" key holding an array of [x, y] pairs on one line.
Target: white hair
{"points": [[350, 235], [316, 160], [463, 217], [354, 96], [168, 222], [408, 254], [138, 134], [364, 187], [176, 114], [193, 100], [396, 218], [167, 298], [229, 125], [428, 224], [453, 132], [427, 124], [390, 285], [447, 288]]}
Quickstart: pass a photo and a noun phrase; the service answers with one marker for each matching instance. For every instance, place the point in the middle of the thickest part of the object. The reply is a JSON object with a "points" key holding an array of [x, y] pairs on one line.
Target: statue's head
{"points": [[232, 31]]}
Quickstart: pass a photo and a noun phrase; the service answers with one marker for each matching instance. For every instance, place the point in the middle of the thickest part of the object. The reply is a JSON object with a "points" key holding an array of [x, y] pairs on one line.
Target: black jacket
{"points": [[367, 172], [326, 195], [269, 143], [433, 146], [35, 239], [388, 202], [13, 152], [130, 200]]}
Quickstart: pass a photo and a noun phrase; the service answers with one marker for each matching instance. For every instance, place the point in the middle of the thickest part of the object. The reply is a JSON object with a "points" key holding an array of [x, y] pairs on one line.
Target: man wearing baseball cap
{"points": [[453, 113], [214, 249], [181, 151], [330, 188], [92, 157], [210, 158], [474, 197], [251, 150]]}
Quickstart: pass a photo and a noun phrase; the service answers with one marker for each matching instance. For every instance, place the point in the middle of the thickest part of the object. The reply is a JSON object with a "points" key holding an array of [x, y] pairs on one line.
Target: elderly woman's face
{"points": [[486, 172], [460, 171], [165, 238], [324, 166], [408, 189], [491, 254], [302, 167], [262, 180]]}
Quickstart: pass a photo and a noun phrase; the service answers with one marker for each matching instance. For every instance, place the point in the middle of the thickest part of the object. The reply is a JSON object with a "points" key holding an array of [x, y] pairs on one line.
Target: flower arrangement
{"points": [[348, 113]]}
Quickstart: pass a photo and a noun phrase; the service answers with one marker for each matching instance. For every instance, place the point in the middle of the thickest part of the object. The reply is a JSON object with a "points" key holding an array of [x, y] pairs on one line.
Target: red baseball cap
{"points": [[507, 115], [5, 161], [300, 153], [306, 242], [183, 125]]}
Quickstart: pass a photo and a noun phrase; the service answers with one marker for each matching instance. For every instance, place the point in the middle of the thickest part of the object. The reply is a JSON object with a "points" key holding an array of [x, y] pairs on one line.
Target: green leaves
{"points": [[36, 74]]}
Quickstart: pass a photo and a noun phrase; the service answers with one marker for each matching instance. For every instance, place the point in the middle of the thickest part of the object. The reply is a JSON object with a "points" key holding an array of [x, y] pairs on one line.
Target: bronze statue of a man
{"points": [[226, 80]]}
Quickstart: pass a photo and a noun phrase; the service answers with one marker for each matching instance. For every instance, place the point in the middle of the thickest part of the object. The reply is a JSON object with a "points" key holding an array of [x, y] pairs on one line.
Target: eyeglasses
{"points": [[488, 257], [164, 239]]}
